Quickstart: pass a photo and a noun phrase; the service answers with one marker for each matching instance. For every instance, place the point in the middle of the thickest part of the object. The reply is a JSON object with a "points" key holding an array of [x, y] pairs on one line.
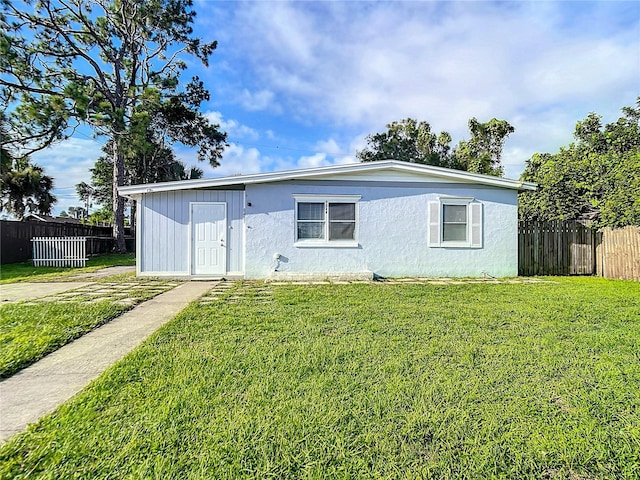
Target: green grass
{"points": [[26, 272], [29, 331], [365, 381]]}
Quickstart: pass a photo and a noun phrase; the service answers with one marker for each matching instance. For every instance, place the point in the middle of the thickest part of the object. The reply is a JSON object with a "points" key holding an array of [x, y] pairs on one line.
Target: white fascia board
{"points": [[245, 179], [319, 172], [463, 176], [528, 186], [457, 175]]}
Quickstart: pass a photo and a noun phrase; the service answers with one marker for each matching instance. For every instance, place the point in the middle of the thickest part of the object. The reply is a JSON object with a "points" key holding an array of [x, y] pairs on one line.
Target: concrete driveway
{"points": [[15, 292]]}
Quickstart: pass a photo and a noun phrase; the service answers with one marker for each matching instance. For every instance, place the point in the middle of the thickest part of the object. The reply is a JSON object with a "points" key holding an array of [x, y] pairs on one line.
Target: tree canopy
{"points": [[149, 164], [79, 213], [410, 140], [113, 65], [482, 153], [597, 177], [24, 187]]}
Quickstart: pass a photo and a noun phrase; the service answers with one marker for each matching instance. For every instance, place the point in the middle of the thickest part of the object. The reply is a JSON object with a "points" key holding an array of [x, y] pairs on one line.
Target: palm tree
{"points": [[24, 186]]}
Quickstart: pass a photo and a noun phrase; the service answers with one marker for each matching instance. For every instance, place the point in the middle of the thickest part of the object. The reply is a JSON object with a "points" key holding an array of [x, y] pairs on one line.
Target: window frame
{"points": [[455, 202], [326, 200], [474, 220]]}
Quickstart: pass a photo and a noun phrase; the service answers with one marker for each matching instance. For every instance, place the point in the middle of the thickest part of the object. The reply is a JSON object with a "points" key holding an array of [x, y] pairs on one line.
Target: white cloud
{"points": [[240, 160], [234, 129], [345, 160], [236, 160], [312, 161], [330, 147], [360, 65], [330, 152], [68, 163], [261, 100]]}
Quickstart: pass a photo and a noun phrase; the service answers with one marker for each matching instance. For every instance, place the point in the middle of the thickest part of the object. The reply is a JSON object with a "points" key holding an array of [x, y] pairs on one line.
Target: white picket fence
{"points": [[59, 251]]}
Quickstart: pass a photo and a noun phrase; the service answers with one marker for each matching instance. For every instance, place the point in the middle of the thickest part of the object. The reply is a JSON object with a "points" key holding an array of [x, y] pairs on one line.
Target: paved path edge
{"points": [[41, 388]]}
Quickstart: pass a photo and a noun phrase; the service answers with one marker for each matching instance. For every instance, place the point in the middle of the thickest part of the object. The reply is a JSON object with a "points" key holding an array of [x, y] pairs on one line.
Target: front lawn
{"points": [[31, 330], [365, 381], [26, 272]]}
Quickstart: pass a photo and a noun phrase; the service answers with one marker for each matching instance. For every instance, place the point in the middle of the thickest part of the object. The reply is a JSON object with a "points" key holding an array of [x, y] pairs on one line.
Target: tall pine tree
{"points": [[68, 63]]}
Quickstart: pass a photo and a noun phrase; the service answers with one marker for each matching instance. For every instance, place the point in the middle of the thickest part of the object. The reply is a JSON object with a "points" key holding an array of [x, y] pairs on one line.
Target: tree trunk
{"points": [[118, 201], [132, 221]]}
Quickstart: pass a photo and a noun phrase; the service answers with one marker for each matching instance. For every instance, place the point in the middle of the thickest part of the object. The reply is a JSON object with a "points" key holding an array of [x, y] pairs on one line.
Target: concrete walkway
{"points": [[41, 388]]}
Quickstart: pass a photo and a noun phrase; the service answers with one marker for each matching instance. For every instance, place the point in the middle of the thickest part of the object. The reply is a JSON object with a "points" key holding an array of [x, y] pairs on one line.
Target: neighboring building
{"points": [[389, 219], [32, 217]]}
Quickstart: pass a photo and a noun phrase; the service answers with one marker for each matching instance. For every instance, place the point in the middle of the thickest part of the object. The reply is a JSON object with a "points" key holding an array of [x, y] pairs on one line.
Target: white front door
{"points": [[209, 238]]}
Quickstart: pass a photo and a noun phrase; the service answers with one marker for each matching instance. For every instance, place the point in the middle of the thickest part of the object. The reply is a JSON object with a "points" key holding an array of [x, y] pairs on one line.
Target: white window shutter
{"points": [[434, 224], [475, 210]]}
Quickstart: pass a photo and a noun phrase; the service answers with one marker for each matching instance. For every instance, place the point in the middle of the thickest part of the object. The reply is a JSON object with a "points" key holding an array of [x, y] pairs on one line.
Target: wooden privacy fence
{"points": [[15, 238], [618, 253], [556, 248], [570, 248], [59, 251]]}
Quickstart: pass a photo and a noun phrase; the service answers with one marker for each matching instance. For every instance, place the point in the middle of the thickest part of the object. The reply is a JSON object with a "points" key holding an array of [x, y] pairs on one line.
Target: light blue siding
{"points": [[163, 224]]}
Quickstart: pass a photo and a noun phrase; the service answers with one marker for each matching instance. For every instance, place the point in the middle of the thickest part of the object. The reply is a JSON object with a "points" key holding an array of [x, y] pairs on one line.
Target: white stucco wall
{"points": [[392, 237]]}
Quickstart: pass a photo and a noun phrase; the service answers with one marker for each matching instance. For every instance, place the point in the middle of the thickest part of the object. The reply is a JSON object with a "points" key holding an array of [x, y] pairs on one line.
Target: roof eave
{"points": [[528, 186], [445, 173]]}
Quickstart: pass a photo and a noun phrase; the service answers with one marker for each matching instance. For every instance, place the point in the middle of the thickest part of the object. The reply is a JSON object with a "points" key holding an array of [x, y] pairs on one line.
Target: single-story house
{"points": [[387, 219]]}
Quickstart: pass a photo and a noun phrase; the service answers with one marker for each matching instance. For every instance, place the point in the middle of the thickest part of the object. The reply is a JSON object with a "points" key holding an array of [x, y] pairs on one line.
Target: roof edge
{"points": [[252, 178]]}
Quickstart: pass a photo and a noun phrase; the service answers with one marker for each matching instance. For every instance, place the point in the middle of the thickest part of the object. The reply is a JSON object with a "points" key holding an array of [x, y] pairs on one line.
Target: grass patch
{"points": [[30, 331], [26, 272], [365, 381]]}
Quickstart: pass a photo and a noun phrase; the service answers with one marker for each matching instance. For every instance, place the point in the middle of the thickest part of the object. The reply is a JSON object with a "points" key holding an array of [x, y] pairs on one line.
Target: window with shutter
{"points": [[434, 224], [475, 210], [455, 222]]}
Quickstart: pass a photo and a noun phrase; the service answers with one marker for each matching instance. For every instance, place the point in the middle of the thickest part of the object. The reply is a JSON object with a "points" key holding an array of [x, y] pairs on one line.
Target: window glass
{"points": [[455, 213], [342, 230], [327, 221], [342, 211], [311, 230], [342, 221], [310, 211], [454, 233], [454, 226]]}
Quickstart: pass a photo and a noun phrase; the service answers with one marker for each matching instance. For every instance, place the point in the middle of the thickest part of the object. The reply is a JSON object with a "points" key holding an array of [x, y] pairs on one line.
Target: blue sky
{"points": [[301, 84]]}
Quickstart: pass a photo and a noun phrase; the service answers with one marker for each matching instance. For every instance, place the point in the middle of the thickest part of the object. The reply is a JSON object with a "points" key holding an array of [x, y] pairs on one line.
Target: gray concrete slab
{"points": [[15, 292], [41, 388], [105, 272]]}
